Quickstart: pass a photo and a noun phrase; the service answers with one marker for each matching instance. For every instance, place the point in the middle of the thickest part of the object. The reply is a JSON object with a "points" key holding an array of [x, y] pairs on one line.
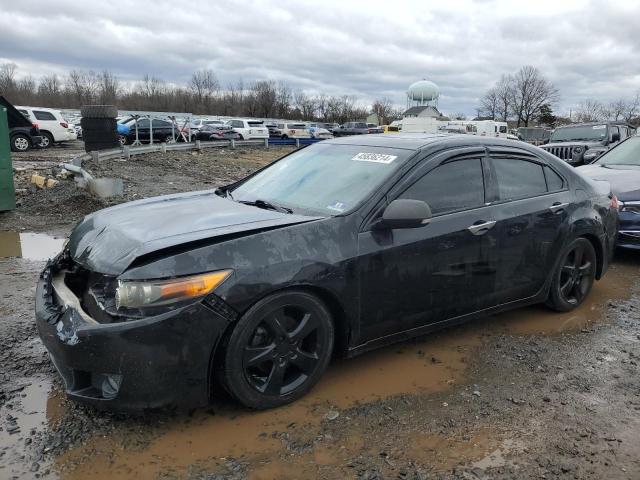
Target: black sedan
{"points": [[212, 133], [337, 248], [620, 166]]}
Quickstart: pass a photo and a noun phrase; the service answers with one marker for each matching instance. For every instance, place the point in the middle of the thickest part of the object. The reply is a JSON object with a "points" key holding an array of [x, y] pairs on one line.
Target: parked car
{"points": [[210, 133], [390, 129], [340, 247], [317, 131], [373, 128], [163, 131], [53, 127], [274, 131], [620, 166], [354, 128], [292, 130], [582, 143], [249, 129], [23, 134]]}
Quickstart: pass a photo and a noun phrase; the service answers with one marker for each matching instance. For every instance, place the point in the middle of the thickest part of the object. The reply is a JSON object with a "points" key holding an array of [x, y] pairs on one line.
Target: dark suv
{"points": [[163, 131], [582, 143], [23, 135]]}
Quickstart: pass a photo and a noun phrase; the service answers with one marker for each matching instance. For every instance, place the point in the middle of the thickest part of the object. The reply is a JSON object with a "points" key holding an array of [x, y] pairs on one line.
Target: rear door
{"points": [[532, 204], [418, 276]]}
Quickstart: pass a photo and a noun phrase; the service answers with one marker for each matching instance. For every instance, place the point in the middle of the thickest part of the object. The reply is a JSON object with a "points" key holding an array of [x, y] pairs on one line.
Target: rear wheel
{"points": [[574, 277], [240, 137], [20, 143], [47, 140], [279, 350]]}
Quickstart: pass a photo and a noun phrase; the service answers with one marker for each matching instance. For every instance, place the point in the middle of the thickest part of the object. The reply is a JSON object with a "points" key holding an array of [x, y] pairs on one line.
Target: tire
{"points": [[20, 143], [98, 124], [573, 277], [240, 137], [94, 137], [93, 146], [170, 139], [278, 350], [98, 111], [47, 140], [122, 140]]}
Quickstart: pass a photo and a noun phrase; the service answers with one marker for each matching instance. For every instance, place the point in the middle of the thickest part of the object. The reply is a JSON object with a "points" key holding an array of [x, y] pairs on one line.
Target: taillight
{"points": [[64, 125], [614, 204]]}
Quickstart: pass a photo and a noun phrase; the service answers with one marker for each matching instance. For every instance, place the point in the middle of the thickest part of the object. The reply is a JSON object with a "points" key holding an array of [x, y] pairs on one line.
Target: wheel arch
{"points": [[341, 328]]}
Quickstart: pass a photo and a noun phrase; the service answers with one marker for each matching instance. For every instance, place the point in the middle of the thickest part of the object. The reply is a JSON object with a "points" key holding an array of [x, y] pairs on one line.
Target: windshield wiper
{"points": [[266, 205]]}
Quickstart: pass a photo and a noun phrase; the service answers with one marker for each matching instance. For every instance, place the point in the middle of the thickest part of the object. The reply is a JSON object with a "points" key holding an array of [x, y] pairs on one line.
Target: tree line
{"points": [[528, 96], [202, 95]]}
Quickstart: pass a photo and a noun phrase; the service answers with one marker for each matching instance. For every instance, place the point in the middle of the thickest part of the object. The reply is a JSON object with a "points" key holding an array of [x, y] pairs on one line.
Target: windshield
{"points": [[325, 178], [627, 153], [586, 132]]}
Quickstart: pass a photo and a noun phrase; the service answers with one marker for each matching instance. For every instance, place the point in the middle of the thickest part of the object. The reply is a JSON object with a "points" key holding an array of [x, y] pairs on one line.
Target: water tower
{"points": [[423, 93]]}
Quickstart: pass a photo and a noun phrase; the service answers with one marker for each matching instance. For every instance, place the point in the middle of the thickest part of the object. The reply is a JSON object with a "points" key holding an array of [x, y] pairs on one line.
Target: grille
{"points": [[563, 152]]}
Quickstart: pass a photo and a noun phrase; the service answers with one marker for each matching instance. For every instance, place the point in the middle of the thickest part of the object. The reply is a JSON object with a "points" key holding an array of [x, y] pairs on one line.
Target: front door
{"points": [[414, 277]]}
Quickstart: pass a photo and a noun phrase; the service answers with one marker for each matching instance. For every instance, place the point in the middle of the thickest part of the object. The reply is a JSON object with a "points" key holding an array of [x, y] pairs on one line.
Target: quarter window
{"points": [[555, 182], [457, 185], [40, 115], [518, 178]]}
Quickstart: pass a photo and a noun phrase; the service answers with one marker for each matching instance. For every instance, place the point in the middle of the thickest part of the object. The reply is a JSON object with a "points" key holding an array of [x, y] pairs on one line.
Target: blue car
{"points": [[620, 166]]}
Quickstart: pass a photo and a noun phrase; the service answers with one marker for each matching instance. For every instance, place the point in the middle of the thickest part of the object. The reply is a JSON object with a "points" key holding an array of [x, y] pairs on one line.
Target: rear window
{"points": [[297, 125], [40, 115], [256, 124], [519, 178]]}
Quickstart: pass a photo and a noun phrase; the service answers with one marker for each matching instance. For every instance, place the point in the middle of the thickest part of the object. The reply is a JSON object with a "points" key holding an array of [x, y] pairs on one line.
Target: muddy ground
{"points": [[525, 394]]}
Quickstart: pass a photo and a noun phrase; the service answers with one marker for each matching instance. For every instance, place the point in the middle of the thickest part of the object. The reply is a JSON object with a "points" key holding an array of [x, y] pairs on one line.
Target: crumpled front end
{"points": [[126, 364]]}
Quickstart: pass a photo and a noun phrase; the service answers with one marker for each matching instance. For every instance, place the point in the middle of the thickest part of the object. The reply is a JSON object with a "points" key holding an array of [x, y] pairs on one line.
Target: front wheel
{"points": [[279, 350], [574, 276]]}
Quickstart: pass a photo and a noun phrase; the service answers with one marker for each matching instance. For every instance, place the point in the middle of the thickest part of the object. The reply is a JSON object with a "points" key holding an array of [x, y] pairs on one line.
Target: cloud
{"points": [[369, 48]]}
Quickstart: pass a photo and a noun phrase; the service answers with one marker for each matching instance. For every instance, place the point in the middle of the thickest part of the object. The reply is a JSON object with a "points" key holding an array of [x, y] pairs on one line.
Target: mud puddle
{"points": [[36, 407], [30, 246], [208, 439]]}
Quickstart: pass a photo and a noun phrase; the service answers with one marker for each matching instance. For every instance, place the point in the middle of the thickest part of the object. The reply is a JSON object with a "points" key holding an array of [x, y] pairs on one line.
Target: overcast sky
{"points": [[370, 49]]}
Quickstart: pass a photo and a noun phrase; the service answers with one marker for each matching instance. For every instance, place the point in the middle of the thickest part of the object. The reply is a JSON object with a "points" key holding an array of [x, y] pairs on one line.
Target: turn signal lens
{"points": [[154, 293]]}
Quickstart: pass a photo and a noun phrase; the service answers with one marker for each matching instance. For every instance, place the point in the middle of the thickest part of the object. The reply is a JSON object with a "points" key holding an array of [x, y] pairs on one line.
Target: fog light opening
{"points": [[111, 386]]}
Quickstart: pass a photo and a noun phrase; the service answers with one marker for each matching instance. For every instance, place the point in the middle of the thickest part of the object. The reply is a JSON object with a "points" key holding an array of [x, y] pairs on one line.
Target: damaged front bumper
{"points": [[153, 362]]}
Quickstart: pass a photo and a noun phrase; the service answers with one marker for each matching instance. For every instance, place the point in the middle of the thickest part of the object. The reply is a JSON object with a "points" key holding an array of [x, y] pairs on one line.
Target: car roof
{"points": [[604, 122], [417, 141]]}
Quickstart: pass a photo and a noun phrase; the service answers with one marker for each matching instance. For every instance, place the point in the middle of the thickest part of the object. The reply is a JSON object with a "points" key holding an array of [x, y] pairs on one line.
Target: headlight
{"points": [[592, 154], [153, 293]]}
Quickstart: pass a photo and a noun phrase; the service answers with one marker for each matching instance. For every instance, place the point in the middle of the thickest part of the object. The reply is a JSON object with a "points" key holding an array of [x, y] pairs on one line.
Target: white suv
{"points": [[293, 130], [249, 129], [53, 127]]}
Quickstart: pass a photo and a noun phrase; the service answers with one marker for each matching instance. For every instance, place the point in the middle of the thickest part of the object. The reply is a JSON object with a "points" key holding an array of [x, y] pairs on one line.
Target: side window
{"points": [[503, 129], [161, 124], [555, 183], [614, 130], [142, 123], [518, 178], [40, 115], [456, 185]]}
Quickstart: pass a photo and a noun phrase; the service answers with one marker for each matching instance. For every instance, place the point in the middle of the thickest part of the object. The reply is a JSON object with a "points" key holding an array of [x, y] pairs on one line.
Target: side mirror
{"points": [[404, 213], [615, 137]]}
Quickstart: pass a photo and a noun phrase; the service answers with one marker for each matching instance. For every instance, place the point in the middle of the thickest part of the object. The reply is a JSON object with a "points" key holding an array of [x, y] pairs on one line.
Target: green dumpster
{"points": [[7, 190]]}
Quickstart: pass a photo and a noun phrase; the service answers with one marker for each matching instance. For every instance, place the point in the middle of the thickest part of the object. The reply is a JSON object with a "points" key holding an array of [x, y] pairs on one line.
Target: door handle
{"points": [[557, 206], [481, 228]]}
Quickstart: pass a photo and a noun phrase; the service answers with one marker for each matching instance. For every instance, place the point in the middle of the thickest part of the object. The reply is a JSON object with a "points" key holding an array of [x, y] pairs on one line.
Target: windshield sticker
{"points": [[599, 127], [337, 206], [374, 157]]}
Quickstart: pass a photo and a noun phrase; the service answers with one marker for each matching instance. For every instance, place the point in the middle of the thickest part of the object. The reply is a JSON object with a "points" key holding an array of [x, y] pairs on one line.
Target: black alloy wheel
{"points": [[278, 350], [574, 277]]}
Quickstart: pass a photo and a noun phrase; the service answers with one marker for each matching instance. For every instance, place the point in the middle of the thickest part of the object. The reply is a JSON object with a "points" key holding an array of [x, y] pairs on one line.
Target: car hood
{"points": [[625, 182], [109, 240], [574, 143]]}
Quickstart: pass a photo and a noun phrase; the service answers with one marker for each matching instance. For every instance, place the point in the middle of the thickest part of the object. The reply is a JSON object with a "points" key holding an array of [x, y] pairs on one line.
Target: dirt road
{"points": [[525, 394]]}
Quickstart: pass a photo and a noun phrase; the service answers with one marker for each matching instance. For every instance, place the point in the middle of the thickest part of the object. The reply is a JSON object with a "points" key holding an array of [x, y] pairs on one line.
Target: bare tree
{"points": [[306, 104], [489, 103], [50, 90], [108, 88], [504, 94], [204, 84], [382, 107], [531, 90], [590, 110], [7, 78], [632, 108]]}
